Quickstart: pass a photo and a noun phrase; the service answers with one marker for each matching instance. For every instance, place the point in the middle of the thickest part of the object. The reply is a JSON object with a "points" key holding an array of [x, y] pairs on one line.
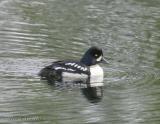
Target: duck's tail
{"points": [[45, 72], [49, 73]]}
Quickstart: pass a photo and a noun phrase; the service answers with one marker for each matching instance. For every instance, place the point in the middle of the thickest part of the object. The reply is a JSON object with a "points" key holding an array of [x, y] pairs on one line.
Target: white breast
{"points": [[96, 77]]}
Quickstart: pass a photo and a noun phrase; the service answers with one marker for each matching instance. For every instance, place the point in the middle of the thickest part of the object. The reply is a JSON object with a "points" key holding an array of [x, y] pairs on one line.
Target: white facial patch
{"points": [[99, 59]]}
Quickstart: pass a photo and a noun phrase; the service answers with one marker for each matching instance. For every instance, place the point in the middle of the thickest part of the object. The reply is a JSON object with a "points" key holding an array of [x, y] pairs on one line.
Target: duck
{"points": [[87, 69]]}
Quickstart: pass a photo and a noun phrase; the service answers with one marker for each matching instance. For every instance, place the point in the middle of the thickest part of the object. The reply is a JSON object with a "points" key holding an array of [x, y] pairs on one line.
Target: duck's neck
{"points": [[86, 63]]}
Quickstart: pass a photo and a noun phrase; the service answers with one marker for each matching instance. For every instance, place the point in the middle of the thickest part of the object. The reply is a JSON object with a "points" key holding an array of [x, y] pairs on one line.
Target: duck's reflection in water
{"points": [[92, 92]]}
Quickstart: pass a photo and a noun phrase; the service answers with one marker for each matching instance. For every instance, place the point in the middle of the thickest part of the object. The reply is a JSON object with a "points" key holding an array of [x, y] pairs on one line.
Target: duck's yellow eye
{"points": [[96, 55]]}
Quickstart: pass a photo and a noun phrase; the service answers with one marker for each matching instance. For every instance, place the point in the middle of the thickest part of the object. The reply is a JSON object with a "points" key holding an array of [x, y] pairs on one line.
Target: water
{"points": [[33, 33]]}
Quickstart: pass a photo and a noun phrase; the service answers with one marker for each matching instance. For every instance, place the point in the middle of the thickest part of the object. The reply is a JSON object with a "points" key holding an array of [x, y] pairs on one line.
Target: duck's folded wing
{"points": [[70, 66], [64, 66]]}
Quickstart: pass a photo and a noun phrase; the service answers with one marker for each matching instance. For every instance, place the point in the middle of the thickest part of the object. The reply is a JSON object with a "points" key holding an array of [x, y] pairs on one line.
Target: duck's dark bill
{"points": [[104, 61]]}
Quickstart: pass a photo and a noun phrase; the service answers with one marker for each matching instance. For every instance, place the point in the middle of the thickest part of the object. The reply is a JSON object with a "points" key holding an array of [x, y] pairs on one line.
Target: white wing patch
{"points": [[70, 64], [67, 69], [57, 68], [83, 68], [77, 66]]}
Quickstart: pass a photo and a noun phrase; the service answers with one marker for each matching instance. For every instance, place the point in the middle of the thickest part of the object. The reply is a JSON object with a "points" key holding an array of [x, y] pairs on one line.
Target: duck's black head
{"points": [[93, 55]]}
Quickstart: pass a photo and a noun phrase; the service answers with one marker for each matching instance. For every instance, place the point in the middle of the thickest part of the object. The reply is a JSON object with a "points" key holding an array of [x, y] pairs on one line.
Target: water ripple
{"points": [[35, 33]]}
